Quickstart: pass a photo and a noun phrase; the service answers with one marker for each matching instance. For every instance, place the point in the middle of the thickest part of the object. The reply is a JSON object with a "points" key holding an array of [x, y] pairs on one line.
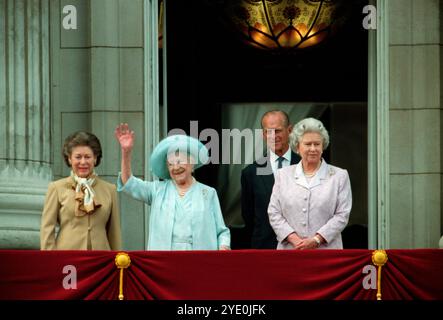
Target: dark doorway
{"points": [[208, 66]]}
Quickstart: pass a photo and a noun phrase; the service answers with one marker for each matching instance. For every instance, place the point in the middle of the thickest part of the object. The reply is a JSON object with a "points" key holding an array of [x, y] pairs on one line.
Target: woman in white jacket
{"points": [[311, 201]]}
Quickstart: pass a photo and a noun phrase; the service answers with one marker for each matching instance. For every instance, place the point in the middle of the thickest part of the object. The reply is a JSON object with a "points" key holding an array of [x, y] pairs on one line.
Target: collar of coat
{"points": [[323, 173], [71, 183]]}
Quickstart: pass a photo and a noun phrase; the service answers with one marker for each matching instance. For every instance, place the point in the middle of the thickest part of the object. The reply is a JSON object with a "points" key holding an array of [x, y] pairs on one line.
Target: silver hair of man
{"points": [[305, 126]]}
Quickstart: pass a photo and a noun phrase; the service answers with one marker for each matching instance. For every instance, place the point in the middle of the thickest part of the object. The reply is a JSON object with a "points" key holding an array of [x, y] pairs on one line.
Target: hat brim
{"points": [[171, 144]]}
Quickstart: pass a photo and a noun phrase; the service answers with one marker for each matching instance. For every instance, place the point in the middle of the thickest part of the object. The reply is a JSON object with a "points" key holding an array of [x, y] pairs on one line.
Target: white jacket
{"points": [[321, 206]]}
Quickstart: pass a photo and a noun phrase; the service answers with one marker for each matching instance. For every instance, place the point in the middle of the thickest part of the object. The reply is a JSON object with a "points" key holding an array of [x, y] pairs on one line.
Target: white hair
{"points": [[305, 126]]}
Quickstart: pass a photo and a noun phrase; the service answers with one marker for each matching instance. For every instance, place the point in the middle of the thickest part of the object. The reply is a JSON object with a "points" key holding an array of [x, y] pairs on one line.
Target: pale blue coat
{"points": [[194, 222]]}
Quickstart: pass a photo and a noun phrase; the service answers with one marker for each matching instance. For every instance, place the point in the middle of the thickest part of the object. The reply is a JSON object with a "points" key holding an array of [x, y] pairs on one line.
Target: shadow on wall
{"points": [[354, 237], [239, 237]]}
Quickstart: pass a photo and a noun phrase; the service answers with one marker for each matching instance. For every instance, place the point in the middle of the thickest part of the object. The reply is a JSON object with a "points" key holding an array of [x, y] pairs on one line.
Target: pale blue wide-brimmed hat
{"points": [[172, 144]]}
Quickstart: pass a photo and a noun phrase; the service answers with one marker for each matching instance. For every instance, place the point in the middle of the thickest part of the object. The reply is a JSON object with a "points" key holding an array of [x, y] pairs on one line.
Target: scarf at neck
{"points": [[84, 195]]}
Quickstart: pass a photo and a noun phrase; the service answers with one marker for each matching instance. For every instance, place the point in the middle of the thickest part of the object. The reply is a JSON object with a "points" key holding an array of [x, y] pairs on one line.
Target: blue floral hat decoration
{"points": [[177, 143]]}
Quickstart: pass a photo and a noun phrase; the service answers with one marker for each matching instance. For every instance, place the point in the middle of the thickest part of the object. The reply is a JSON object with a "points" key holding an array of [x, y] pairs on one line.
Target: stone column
{"points": [[416, 129], [25, 157], [97, 81]]}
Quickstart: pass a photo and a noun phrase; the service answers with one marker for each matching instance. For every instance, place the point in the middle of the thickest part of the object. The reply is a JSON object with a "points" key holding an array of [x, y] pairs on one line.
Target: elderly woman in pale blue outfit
{"points": [[185, 214]]}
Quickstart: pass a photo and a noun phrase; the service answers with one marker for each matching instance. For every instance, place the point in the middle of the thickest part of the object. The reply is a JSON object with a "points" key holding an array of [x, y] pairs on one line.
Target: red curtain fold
{"points": [[249, 274], [413, 274], [38, 275], [221, 275]]}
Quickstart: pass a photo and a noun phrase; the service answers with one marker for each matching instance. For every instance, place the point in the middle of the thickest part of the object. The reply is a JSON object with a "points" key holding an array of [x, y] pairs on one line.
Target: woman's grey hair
{"points": [[308, 125]]}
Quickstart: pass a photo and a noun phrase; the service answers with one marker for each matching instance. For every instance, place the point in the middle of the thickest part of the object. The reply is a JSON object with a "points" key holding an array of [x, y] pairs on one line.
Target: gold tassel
{"points": [[379, 258], [122, 261]]}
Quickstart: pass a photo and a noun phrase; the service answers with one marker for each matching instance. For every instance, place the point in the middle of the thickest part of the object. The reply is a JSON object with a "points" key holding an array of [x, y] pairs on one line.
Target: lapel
{"points": [[268, 179], [264, 166], [295, 158], [317, 180]]}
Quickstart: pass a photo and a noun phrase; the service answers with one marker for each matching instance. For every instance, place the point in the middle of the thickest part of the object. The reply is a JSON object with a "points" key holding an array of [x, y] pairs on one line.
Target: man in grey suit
{"points": [[257, 179]]}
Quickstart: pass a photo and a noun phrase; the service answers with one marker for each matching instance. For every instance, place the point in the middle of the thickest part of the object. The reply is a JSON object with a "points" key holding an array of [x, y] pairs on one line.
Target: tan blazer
{"points": [[97, 231]]}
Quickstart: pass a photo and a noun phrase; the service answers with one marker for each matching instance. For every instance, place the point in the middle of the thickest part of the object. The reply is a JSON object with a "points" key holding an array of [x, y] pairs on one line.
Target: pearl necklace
{"points": [[182, 191], [310, 175]]}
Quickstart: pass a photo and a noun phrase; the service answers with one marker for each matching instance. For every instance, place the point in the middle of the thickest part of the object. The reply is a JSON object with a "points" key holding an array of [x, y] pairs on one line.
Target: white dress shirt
{"points": [[274, 160]]}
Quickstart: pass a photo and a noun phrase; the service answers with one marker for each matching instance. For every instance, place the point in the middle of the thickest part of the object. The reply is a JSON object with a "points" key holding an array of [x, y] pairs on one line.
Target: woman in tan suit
{"points": [[84, 206]]}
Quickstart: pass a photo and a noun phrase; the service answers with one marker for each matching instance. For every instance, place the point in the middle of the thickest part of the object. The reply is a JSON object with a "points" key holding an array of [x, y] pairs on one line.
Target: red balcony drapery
{"points": [[221, 275]]}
